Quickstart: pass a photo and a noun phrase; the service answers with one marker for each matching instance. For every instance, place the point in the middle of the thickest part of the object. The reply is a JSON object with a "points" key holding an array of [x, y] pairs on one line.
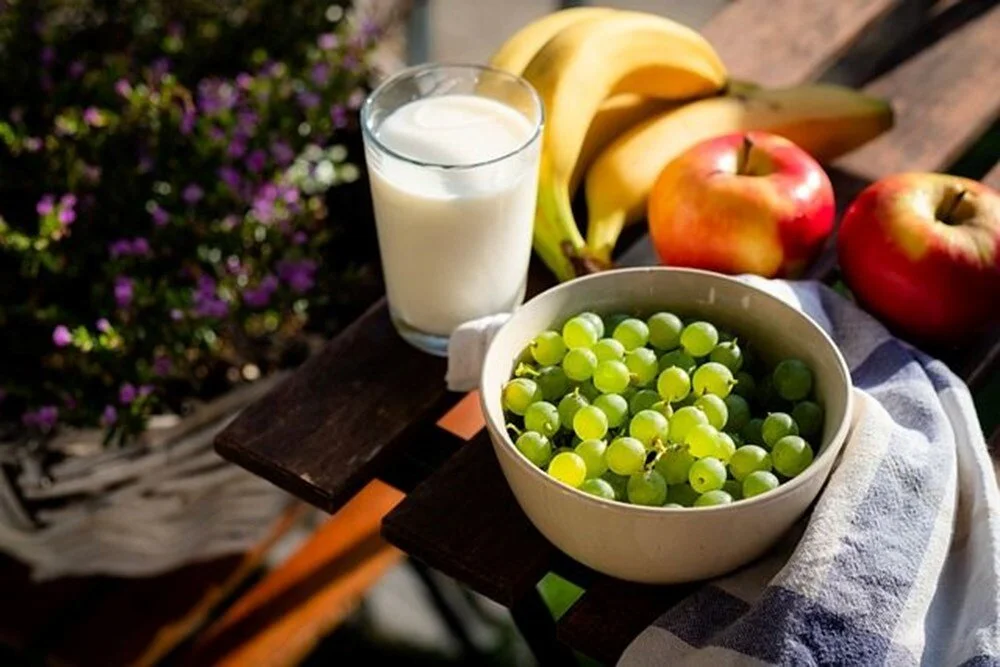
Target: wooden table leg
{"points": [[536, 625]]}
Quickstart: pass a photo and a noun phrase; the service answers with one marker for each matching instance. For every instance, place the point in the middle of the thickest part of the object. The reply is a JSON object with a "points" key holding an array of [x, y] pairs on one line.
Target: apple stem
{"points": [[741, 167], [946, 215]]}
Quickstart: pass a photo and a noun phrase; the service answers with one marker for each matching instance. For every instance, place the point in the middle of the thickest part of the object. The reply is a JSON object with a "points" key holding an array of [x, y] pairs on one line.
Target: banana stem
{"points": [[557, 239], [603, 232]]}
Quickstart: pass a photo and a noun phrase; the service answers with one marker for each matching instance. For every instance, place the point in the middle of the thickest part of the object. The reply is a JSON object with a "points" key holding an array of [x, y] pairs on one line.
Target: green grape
{"points": [[712, 498], [673, 384], [535, 447], [707, 474], [751, 433], [748, 459], [631, 333], [712, 378], [518, 394], [678, 358], [728, 354], [725, 447], [548, 348], [759, 482], [809, 417], [592, 453], [792, 380], [647, 488], [589, 391], [682, 494], [617, 482], [791, 455], [614, 407], [579, 332], [641, 363], [746, 386], [608, 349], [715, 409], [702, 440], [777, 426], [699, 338], [683, 421], [733, 488], [726, 336], [663, 407], [553, 382], [674, 506], [599, 488], [737, 412], [542, 417], [579, 364], [611, 322], [664, 330], [611, 377], [589, 422], [595, 321], [561, 450], [648, 426], [674, 465], [568, 468], [568, 407], [642, 400], [625, 456]]}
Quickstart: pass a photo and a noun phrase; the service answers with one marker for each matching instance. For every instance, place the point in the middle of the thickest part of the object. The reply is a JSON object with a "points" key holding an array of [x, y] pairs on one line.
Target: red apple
{"points": [[742, 203], [922, 252]]}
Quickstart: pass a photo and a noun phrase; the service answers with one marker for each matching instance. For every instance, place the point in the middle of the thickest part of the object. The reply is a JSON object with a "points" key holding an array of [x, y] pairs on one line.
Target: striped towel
{"points": [[899, 562]]}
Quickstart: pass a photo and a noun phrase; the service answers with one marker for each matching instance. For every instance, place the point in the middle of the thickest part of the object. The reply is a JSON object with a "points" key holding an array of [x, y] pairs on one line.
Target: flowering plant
{"points": [[165, 191]]}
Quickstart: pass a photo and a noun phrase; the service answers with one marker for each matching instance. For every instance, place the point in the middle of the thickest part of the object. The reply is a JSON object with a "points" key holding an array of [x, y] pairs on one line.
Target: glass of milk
{"points": [[452, 154]]}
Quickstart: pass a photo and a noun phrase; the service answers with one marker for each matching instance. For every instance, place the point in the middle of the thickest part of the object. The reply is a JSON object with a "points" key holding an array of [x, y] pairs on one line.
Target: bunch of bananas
{"points": [[626, 92]]}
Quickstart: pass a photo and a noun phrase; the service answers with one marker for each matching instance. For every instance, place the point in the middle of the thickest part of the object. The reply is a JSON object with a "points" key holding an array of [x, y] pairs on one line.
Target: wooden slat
{"points": [[464, 521], [786, 42], [323, 434], [944, 99]]}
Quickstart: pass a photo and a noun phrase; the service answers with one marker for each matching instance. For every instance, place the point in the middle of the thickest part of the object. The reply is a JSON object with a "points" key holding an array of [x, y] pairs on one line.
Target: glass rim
{"points": [[369, 135]]}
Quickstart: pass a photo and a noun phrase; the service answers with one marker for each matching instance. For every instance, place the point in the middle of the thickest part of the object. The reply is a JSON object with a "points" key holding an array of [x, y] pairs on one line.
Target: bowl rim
{"points": [[831, 452]]}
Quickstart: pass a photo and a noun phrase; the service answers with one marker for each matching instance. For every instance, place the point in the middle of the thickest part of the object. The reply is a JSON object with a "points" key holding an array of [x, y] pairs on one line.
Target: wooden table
{"points": [[368, 406]]}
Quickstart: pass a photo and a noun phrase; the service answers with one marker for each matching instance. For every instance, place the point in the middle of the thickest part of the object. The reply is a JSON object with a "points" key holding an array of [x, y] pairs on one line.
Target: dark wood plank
{"points": [[323, 433], [464, 521], [612, 613], [785, 42], [944, 99]]}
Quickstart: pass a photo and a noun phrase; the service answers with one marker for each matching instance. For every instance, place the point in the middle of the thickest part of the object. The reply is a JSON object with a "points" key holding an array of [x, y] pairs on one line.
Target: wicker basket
{"points": [[155, 505]]}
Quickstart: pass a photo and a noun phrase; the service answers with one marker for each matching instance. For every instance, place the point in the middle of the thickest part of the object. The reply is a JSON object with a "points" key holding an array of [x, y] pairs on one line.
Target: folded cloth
{"points": [[467, 349], [899, 561]]}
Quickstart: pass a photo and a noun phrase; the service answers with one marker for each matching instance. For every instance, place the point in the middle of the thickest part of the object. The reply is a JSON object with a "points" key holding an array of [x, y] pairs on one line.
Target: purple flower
{"points": [[256, 160], [162, 365], [247, 121], [66, 216], [298, 238], [192, 193], [328, 41], [126, 394], [45, 205], [258, 297], [244, 80], [282, 153], [215, 96], [48, 55], [68, 200], [230, 222], [145, 389], [206, 303], [123, 87], [32, 144], [61, 336], [160, 67], [120, 248], [338, 114], [350, 62], [289, 193], [44, 418], [160, 217], [300, 275], [356, 99], [176, 314], [187, 121], [109, 416], [123, 291], [308, 99], [140, 246], [230, 177], [237, 148], [216, 134], [76, 69], [92, 173], [320, 74], [103, 325], [92, 116]]}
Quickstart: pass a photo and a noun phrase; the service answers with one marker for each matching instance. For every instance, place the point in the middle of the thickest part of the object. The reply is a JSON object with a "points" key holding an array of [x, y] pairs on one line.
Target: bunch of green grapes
{"points": [[660, 412]]}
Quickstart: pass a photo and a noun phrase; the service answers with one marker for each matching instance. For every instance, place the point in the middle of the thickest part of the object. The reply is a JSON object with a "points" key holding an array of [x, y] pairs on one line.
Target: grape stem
{"points": [[514, 428], [524, 369]]}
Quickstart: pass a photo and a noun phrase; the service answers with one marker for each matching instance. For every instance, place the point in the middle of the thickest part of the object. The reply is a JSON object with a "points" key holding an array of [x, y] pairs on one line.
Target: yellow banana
{"points": [[574, 72], [825, 120], [521, 47]]}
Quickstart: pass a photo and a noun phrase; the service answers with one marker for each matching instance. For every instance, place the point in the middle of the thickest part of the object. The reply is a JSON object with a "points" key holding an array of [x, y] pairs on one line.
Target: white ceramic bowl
{"points": [[656, 544]]}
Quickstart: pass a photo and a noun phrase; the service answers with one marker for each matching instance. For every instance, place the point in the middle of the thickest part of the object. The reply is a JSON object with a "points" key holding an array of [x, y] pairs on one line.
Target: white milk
{"points": [[455, 243]]}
